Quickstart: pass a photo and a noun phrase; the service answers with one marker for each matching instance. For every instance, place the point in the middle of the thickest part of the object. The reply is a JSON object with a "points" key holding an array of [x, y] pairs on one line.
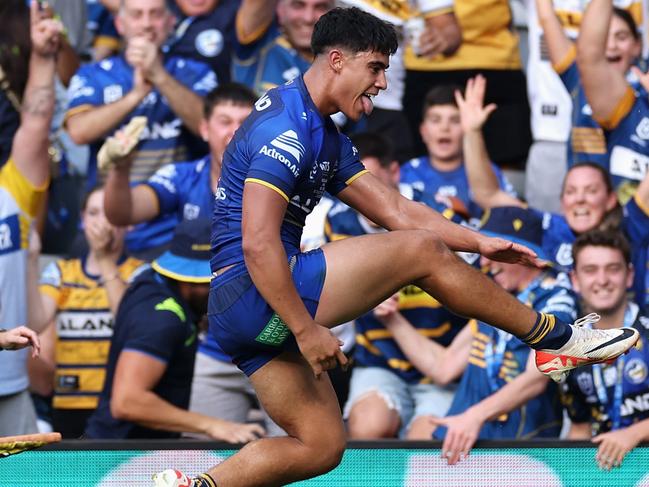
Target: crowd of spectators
{"points": [[109, 264]]}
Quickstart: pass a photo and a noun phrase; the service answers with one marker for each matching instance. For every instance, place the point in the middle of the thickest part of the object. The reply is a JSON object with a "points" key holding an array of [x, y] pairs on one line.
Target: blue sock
{"points": [[547, 333]]}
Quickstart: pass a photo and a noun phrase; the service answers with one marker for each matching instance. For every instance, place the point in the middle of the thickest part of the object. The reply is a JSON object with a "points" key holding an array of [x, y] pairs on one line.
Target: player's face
{"points": [[585, 199], [297, 18], [621, 47], [441, 131], [224, 121], [511, 277], [361, 76], [388, 175], [602, 277], [193, 8], [145, 18]]}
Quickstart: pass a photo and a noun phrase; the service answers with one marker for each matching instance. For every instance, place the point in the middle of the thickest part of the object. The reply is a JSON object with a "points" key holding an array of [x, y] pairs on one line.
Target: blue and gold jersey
{"points": [[375, 346], [165, 139], [587, 142], [20, 202], [289, 147], [612, 396], [267, 60], [84, 327], [498, 357], [627, 137], [420, 173]]}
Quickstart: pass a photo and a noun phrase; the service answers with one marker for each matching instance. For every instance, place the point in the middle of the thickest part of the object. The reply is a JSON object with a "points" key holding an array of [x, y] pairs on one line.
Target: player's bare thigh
{"points": [[364, 271]]}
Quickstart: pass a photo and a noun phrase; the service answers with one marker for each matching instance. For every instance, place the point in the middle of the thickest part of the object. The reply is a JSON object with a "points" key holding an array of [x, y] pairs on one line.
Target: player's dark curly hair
{"points": [[354, 30]]}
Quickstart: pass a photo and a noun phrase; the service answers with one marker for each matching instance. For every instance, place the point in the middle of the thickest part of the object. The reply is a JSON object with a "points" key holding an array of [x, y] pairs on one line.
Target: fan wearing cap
{"points": [[501, 395], [149, 371]]}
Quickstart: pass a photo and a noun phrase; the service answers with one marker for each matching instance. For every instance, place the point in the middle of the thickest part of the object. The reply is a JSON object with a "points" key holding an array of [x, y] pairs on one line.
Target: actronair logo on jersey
{"points": [[287, 142]]}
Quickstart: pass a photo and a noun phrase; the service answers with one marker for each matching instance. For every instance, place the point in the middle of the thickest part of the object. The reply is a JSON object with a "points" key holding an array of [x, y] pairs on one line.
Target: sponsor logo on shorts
{"points": [[274, 333]]}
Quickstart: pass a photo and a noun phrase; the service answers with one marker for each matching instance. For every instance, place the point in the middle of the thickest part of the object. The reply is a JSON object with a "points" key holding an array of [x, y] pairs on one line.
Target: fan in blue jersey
{"points": [[105, 39], [588, 200], [385, 386], [106, 95], [204, 31], [187, 190], [274, 40], [587, 142], [441, 172], [609, 402], [606, 48], [271, 306]]}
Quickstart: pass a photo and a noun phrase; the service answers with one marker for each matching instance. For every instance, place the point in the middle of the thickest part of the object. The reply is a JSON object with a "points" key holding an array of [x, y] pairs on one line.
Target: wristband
{"points": [[2, 330]]}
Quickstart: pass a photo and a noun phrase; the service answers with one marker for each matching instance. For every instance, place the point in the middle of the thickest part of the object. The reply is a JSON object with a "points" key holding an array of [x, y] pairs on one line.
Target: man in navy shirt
{"points": [[271, 306], [149, 371]]}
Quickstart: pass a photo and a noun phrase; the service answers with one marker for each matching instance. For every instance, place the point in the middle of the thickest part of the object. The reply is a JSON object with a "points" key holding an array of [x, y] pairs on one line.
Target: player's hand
{"points": [[461, 434], [45, 32], [20, 337], [473, 113], [234, 432], [320, 348], [613, 447], [502, 250]]}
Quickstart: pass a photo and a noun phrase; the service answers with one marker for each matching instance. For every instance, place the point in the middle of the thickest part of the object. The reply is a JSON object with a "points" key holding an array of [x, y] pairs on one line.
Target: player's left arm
{"points": [[385, 206], [463, 429], [614, 445], [607, 90]]}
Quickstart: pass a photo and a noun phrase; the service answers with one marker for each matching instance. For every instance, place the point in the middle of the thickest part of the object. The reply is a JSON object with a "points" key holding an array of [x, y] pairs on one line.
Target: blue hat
{"points": [[520, 225], [188, 257]]}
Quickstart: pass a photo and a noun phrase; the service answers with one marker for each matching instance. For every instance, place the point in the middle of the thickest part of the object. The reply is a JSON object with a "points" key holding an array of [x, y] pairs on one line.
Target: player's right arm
{"points": [[253, 19], [267, 263]]}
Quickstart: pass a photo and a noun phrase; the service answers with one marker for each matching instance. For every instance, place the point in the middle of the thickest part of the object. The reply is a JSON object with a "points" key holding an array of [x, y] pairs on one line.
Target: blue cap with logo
{"points": [[188, 257]]}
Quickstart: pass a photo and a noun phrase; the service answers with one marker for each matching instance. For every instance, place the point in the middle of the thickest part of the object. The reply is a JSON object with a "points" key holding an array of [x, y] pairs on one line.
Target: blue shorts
{"points": [[245, 326]]}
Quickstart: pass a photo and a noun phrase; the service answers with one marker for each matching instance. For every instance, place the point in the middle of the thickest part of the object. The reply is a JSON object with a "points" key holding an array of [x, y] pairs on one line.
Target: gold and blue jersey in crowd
{"points": [[289, 147], [614, 396], [84, 327], [375, 346], [497, 357], [266, 59]]}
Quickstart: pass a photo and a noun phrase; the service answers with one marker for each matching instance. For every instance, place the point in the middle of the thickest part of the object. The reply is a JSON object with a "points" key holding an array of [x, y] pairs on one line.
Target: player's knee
{"points": [[330, 456]]}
